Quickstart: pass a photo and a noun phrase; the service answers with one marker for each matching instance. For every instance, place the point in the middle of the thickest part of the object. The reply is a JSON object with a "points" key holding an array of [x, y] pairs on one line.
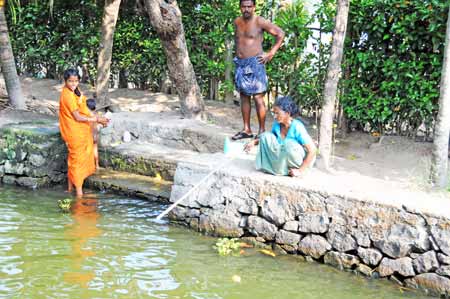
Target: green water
{"points": [[109, 247]]}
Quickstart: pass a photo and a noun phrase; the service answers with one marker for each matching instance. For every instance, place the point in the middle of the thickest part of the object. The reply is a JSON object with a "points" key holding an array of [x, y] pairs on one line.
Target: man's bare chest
{"points": [[250, 32]]}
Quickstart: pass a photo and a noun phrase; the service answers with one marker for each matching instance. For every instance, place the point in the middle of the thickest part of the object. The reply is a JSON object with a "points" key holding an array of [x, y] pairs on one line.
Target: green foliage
{"points": [[391, 69], [138, 53], [65, 204], [45, 46], [225, 246], [393, 61]]}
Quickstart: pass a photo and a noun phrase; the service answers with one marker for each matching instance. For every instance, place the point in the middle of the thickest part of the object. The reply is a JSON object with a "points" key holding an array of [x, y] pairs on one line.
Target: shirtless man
{"points": [[250, 77]]}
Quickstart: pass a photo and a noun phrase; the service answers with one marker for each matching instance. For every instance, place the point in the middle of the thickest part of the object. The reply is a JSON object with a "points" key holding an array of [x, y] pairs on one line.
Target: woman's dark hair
{"points": [[71, 72], [254, 1], [91, 104], [287, 105]]}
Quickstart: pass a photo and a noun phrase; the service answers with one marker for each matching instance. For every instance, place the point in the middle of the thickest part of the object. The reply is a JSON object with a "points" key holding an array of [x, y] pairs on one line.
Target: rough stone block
{"points": [[341, 260], [441, 233], [221, 222], [340, 240], [313, 223], [444, 259], [287, 238], [365, 270], [277, 209], [431, 283], [402, 266], [444, 271], [9, 179], [401, 238], [313, 245], [291, 226], [426, 262], [260, 227], [370, 256]]}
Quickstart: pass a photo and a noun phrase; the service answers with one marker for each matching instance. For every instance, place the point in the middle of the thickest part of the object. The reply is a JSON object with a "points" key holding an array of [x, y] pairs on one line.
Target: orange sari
{"points": [[78, 137]]}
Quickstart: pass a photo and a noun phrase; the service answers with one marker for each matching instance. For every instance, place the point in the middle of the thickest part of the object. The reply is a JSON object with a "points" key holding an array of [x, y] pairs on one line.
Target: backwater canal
{"points": [[109, 247]]}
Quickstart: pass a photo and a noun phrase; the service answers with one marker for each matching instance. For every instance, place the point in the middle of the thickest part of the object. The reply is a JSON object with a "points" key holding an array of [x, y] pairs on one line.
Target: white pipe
{"points": [[192, 189]]}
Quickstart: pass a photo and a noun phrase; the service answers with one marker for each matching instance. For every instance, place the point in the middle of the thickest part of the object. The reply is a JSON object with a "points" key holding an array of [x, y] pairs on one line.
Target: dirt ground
{"points": [[395, 158]]}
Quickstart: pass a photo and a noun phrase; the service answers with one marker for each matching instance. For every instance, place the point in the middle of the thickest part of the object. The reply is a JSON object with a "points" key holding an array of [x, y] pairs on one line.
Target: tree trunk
{"points": [[110, 14], [12, 81], [439, 165], [331, 83], [165, 17], [166, 84], [229, 95]]}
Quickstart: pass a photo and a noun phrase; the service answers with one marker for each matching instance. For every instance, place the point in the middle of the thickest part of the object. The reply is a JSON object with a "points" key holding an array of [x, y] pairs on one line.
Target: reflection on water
{"points": [[84, 227], [109, 247]]}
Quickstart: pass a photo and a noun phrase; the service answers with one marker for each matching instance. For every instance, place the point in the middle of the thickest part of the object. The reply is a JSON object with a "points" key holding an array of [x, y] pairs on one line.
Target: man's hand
{"points": [[265, 57], [295, 172]]}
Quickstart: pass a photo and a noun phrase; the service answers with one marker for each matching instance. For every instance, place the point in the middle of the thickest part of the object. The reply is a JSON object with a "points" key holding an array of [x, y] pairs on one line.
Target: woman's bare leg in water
{"points": [[70, 185]]}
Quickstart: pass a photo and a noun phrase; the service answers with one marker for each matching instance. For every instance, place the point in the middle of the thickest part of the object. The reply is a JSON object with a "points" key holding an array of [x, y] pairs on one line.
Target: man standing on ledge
{"points": [[250, 77]]}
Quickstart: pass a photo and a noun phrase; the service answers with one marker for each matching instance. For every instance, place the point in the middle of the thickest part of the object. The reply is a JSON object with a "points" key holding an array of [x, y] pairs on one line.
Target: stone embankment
{"points": [[32, 154], [361, 234]]}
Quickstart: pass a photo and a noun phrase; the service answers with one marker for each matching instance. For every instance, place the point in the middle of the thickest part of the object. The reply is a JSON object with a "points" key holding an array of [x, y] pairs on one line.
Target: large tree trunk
{"points": [[165, 17], [439, 165], [110, 13], [331, 83], [12, 81]]}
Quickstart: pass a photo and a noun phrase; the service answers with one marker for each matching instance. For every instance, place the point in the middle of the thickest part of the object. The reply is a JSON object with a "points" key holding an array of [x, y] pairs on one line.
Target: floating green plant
{"points": [[227, 246], [65, 204]]}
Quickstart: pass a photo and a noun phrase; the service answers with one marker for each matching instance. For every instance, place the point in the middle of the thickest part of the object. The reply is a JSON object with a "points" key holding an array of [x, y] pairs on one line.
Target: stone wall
{"points": [[410, 248], [32, 154]]}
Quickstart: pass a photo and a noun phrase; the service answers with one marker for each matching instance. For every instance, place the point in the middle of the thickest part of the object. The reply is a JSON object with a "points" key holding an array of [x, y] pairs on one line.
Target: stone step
{"points": [[167, 129], [153, 189], [153, 160]]}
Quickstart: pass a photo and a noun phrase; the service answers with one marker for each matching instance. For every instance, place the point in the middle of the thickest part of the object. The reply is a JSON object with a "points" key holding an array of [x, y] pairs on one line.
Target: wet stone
{"points": [[370, 256], [432, 283], [288, 238], [261, 228]]}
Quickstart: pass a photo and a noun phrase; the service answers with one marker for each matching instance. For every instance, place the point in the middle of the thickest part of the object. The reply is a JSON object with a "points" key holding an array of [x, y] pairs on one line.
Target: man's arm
{"points": [[275, 31]]}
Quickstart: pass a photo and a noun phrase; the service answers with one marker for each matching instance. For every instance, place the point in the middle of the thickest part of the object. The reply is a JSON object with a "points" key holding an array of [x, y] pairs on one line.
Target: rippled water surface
{"points": [[109, 247]]}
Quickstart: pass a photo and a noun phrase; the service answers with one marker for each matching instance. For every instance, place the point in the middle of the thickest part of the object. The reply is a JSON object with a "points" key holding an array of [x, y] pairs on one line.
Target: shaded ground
{"points": [[394, 159]]}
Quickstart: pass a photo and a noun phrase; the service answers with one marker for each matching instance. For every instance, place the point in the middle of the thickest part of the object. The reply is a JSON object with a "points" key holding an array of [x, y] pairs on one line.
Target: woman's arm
{"points": [[82, 118], [310, 155]]}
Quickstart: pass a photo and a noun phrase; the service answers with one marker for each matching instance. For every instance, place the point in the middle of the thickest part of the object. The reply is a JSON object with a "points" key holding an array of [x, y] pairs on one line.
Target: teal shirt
{"points": [[297, 131]]}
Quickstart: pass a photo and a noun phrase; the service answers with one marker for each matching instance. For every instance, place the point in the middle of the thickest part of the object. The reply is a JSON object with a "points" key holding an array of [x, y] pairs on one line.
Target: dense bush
{"points": [[393, 61]]}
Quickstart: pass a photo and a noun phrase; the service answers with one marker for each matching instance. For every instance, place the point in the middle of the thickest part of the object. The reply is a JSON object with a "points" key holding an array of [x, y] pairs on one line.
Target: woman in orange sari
{"points": [[74, 124]]}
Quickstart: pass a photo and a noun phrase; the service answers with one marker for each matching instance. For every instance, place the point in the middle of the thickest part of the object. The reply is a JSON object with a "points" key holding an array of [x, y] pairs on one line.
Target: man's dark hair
{"points": [[91, 104], [287, 105], [254, 1]]}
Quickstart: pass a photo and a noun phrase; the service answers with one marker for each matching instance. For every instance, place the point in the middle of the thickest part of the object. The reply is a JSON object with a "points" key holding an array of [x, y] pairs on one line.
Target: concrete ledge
{"points": [[131, 184], [167, 129], [148, 159], [359, 224]]}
